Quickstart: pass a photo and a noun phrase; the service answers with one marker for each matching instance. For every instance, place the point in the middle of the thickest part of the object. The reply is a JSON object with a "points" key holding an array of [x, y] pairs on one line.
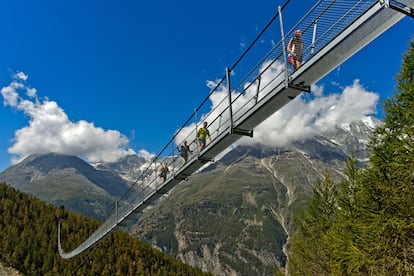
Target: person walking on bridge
{"points": [[295, 49], [202, 135], [184, 150], [163, 172]]}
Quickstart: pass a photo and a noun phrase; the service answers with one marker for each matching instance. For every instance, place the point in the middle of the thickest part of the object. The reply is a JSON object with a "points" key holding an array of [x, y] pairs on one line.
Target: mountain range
{"points": [[67, 181], [234, 217]]}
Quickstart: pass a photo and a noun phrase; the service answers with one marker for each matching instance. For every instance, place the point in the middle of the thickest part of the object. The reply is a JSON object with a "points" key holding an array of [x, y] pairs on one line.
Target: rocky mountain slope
{"points": [[233, 218], [68, 181], [129, 167]]}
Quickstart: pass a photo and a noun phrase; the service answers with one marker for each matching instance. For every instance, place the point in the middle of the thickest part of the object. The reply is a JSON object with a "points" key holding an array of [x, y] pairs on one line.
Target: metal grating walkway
{"points": [[332, 32]]}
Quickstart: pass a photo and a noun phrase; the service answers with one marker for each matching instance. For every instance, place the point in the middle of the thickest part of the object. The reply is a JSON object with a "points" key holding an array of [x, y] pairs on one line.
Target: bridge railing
{"points": [[243, 86], [322, 23]]}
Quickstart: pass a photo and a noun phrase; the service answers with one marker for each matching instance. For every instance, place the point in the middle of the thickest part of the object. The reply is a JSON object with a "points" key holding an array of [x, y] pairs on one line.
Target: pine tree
{"points": [[368, 227], [28, 243], [386, 194], [310, 249]]}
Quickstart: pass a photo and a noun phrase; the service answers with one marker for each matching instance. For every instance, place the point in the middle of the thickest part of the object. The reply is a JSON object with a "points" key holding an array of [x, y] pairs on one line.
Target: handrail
{"points": [[334, 18], [222, 80]]}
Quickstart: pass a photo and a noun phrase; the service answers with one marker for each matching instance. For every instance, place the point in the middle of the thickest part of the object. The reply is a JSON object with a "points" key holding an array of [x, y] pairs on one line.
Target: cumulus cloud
{"points": [[21, 76], [145, 154], [50, 130], [304, 117]]}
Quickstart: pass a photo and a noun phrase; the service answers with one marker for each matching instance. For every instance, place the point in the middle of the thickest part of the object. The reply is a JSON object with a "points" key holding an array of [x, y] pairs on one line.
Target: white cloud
{"points": [[31, 92], [20, 76], [317, 90], [304, 117], [10, 96], [50, 129], [144, 153], [301, 119]]}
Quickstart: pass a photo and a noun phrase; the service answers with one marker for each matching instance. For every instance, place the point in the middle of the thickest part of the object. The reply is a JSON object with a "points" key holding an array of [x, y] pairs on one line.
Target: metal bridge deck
{"points": [[332, 31]]}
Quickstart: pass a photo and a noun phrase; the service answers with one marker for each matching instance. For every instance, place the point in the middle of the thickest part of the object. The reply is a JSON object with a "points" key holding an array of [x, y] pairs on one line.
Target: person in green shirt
{"points": [[202, 134]]}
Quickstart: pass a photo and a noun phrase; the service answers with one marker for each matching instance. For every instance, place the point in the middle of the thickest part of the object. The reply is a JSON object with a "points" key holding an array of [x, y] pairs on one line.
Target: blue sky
{"points": [[133, 71]]}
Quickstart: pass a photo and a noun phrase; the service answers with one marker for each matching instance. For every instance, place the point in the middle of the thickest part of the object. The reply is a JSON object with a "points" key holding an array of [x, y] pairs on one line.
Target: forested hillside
{"points": [[28, 243], [365, 226]]}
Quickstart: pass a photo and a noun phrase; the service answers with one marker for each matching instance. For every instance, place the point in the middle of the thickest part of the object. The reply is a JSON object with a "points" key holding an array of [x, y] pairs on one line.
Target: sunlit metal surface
{"points": [[332, 32]]}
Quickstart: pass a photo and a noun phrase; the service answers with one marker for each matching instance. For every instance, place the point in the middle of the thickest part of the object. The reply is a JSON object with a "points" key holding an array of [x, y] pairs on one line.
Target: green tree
{"points": [[368, 227], [28, 243], [386, 196], [310, 252]]}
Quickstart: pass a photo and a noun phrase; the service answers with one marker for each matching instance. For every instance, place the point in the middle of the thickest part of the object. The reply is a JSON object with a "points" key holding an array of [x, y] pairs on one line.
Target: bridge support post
{"points": [[229, 96], [196, 138], [256, 97], [315, 24], [234, 130], [173, 158], [283, 47]]}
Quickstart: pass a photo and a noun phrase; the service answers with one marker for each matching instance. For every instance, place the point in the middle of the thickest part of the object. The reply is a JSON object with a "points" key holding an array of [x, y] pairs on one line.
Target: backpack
{"points": [[290, 57]]}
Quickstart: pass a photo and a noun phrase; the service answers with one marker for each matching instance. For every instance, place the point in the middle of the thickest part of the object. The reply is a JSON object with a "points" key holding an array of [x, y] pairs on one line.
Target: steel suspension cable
{"points": [[212, 91], [258, 36]]}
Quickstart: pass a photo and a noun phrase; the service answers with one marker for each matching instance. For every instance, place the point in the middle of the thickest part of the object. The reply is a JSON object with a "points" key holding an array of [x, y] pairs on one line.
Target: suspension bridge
{"points": [[332, 32]]}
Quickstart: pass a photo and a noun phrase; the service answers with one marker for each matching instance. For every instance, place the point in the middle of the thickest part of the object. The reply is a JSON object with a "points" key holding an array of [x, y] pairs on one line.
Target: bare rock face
{"points": [[236, 216]]}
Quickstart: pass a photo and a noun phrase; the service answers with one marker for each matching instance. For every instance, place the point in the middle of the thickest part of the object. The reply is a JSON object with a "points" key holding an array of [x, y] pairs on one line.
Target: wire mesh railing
{"points": [[226, 105]]}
